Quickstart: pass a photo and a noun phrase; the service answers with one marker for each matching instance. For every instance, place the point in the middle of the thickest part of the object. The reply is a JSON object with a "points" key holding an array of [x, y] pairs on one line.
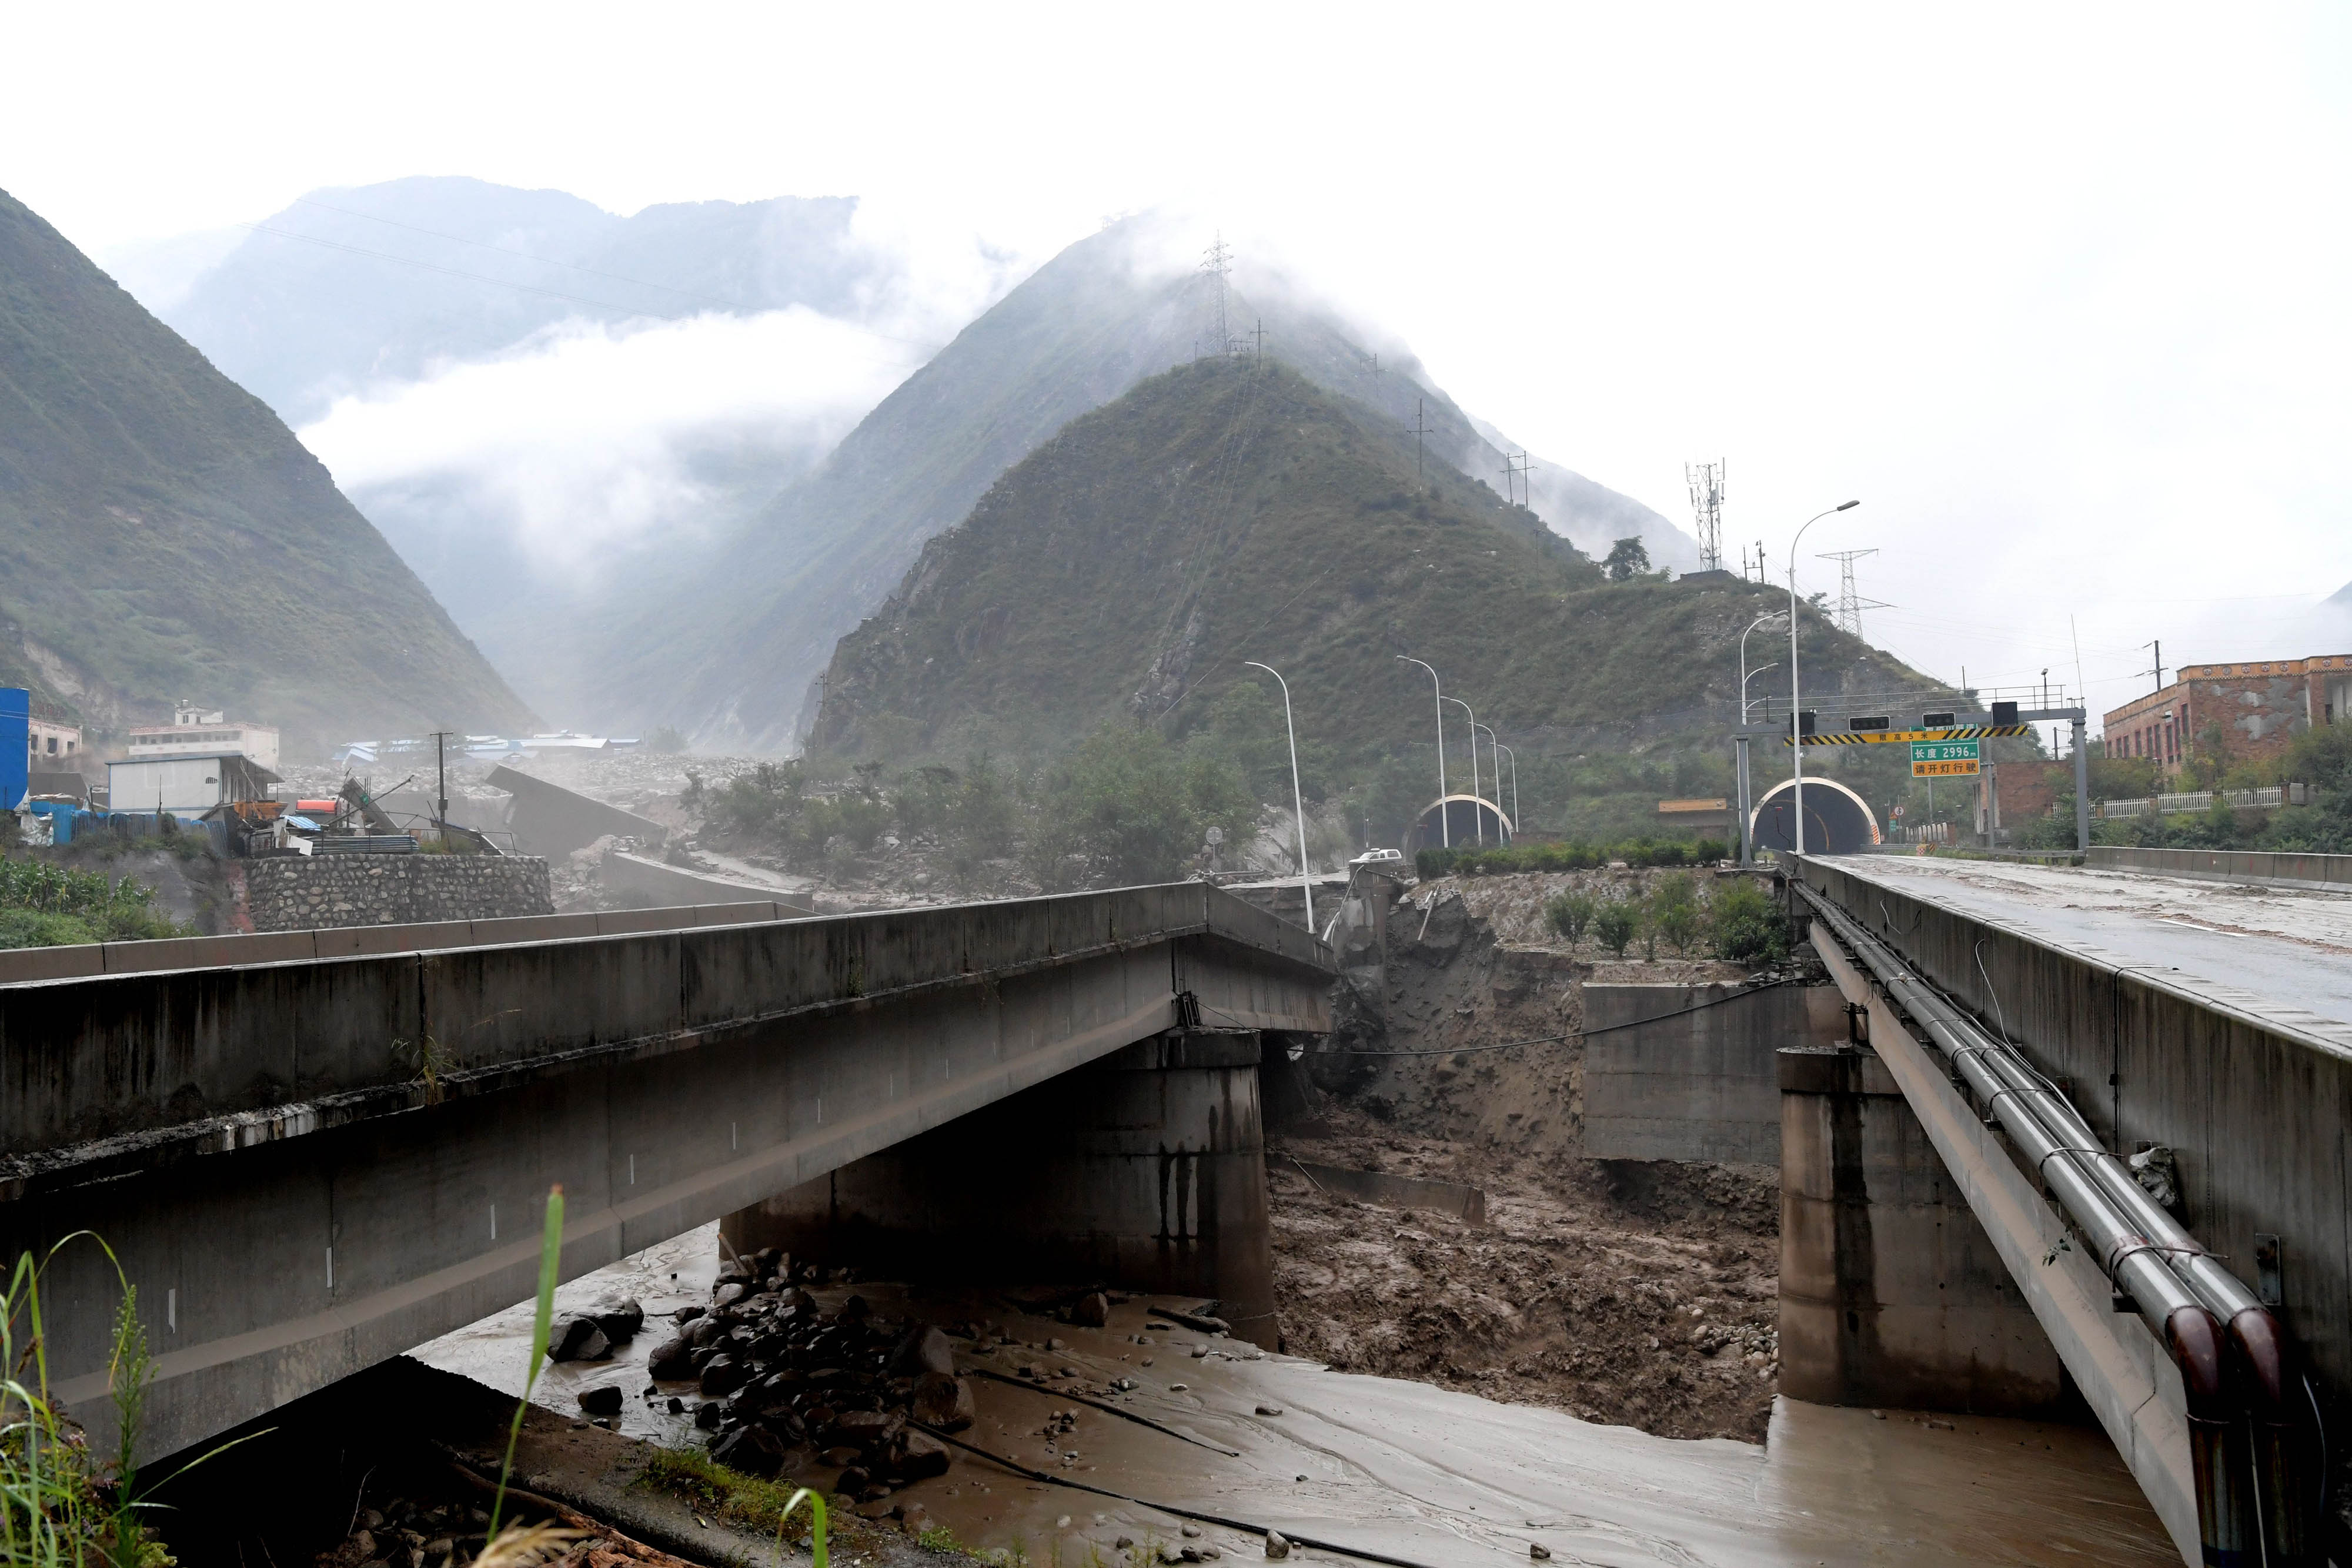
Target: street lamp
{"points": [[1444, 829], [1796, 738], [1514, 779], [1476, 822], [1747, 805], [1495, 755], [1298, 803]]}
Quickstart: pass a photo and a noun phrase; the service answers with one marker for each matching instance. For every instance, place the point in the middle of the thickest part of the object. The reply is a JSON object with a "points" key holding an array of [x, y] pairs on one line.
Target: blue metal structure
{"points": [[15, 742]]}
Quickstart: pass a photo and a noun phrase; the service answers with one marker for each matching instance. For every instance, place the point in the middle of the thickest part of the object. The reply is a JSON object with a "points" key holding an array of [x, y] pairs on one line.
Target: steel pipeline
{"points": [[2143, 1259]]}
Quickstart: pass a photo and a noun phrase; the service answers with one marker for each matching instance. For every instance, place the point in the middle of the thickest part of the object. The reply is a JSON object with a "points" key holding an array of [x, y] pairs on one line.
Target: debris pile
{"points": [[780, 1382]]}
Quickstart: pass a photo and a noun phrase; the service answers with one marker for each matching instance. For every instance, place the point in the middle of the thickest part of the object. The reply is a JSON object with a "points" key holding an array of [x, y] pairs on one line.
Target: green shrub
{"points": [[1674, 912], [1569, 913], [1745, 925], [47, 905], [1615, 924]]}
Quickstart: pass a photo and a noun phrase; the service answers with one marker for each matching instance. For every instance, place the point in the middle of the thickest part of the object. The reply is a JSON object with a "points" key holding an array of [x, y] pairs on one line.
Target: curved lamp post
{"points": [[1515, 779], [1444, 829], [1796, 740], [1298, 803], [1494, 755], [1747, 802], [1477, 822]]}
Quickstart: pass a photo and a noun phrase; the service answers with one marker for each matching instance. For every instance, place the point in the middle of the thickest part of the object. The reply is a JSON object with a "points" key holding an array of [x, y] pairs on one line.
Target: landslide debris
{"points": [[1640, 1293]]}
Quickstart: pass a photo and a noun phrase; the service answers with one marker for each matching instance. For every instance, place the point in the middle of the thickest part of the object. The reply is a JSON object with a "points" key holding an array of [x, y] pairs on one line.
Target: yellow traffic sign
{"points": [[1910, 737]]}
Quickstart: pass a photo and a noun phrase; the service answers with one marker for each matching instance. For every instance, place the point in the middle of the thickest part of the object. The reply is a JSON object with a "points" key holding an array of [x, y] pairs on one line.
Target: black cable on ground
{"points": [[1102, 1406], [1019, 1468], [1550, 1039]]}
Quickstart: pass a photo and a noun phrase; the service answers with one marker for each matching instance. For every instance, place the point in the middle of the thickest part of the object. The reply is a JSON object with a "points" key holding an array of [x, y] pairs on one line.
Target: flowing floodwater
{"points": [[1405, 1470]]}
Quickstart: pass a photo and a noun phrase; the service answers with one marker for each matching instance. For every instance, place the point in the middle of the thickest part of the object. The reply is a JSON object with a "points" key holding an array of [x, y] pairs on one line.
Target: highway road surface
{"points": [[2290, 946]]}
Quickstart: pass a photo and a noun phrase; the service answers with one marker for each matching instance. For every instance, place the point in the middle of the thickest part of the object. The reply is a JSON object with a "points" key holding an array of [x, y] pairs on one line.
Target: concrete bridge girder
{"points": [[674, 1078]]}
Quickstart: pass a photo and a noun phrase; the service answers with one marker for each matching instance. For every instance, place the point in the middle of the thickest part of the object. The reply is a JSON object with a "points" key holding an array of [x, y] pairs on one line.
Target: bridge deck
{"points": [[307, 1167], [2291, 947]]}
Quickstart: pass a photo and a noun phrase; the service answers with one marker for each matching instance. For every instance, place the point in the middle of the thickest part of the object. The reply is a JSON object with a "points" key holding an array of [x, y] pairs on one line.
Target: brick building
{"points": [[2261, 705]]}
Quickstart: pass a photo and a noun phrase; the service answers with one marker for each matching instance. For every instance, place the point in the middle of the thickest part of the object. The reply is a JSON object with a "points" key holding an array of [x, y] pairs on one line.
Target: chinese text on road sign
{"points": [[1943, 759]]}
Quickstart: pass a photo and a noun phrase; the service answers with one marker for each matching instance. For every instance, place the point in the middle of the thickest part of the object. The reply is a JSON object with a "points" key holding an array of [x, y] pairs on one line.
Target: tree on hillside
{"points": [[1627, 558]]}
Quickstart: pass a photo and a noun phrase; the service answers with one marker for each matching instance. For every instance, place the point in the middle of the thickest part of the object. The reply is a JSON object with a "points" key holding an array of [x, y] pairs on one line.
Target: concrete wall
{"points": [[2254, 1097], [1891, 1294], [314, 893], [297, 1197], [1701, 1086], [2229, 865], [1144, 1170]]}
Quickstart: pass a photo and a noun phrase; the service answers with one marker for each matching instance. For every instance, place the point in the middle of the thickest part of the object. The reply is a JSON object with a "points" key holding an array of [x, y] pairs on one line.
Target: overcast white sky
{"points": [[2061, 293]]}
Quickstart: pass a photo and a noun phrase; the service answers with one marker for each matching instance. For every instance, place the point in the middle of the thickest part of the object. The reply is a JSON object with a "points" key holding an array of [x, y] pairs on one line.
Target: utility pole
{"points": [[1705, 480], [1517, 466], [1851, 604], [2159, 646], [1420, 429], [1257, 353], [441, 769]]}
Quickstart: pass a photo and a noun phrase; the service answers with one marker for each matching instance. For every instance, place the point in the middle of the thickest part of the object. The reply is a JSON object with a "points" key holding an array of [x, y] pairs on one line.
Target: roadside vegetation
{"points": [[1125, 806], [2321, 758], [1733, 920], [65, 1503], [47, 905]]}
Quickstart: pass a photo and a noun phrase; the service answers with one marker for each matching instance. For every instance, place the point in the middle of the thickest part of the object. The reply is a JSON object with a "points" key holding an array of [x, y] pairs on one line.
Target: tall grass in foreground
{"points": [[519, 1546], [62, 1504]]}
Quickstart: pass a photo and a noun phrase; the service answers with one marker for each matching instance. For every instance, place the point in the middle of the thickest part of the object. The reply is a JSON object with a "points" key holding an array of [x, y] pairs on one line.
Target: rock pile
{"points": [[781, 1380]]}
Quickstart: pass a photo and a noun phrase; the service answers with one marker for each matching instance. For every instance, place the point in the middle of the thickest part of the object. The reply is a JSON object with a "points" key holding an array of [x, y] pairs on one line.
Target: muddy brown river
{"points": [[1403, 1469]]}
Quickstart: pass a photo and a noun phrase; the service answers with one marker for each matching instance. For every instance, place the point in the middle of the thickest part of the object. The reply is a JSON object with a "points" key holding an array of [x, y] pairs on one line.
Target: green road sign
{"points": [[1945, 759]]}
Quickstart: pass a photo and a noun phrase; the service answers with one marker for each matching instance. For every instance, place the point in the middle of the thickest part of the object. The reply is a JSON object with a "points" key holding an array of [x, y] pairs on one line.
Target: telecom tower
{"points": [[1216, 262], [1706, 506], [1851, 604]]}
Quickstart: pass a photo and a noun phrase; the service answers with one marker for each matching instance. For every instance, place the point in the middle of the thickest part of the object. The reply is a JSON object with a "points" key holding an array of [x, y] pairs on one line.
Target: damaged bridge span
{"points": [[306, 1167]]}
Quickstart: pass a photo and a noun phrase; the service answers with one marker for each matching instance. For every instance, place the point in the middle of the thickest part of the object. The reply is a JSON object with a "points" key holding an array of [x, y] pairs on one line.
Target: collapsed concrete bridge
{"points": [[308, 1165]]}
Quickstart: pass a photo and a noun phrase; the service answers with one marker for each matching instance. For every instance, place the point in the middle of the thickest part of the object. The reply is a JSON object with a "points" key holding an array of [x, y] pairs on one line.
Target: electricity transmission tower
{"points": [[1217, 263], [1706, 505], [1516, 467], [1851, 604]]}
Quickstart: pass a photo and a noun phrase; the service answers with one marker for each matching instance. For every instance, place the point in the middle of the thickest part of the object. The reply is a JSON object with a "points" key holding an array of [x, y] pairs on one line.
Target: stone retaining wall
{"points": [[322, 891]]}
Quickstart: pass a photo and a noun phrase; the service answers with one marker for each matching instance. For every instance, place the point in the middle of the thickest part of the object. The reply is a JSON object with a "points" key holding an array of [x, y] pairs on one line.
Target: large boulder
{"points": [[925, 1349], [753, 1450], [944, 1402], [671, 1360], [577, 1339]]}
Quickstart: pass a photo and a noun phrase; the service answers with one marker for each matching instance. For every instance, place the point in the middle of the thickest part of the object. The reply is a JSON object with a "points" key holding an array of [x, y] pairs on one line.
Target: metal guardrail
{"points": [[2202, 800]]}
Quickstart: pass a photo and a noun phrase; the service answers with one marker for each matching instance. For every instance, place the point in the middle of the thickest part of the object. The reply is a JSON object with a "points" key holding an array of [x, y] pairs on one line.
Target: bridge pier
{"points": [[1145, 1170], [1891, 1292]]}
